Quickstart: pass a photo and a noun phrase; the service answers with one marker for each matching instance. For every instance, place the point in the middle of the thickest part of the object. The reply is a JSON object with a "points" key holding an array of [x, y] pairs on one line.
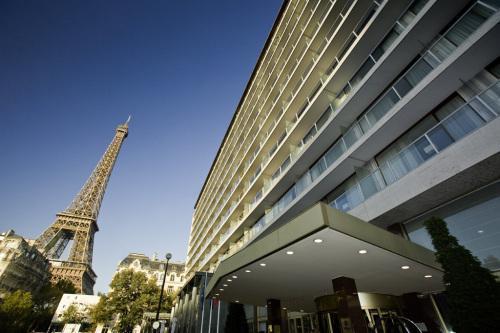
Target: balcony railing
{"points": [[381, 107], [351, 136], [469, 117]]}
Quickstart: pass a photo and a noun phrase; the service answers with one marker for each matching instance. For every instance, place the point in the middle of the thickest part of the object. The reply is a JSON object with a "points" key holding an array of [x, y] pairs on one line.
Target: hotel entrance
{"points": [[370, 279], [382, 314]]}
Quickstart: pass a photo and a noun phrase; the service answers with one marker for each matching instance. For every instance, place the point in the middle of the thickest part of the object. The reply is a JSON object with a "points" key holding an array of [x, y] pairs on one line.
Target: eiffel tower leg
{"points": [[48, 239]]}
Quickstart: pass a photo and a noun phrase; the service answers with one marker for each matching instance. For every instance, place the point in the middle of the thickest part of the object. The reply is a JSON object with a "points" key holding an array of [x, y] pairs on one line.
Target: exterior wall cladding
{"points": [[385, 109]]}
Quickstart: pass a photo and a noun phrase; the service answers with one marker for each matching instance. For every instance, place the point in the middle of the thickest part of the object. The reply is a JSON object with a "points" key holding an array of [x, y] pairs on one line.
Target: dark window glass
{"points": [[403, 86], [468, 24], [440, 137], [360, 74]]}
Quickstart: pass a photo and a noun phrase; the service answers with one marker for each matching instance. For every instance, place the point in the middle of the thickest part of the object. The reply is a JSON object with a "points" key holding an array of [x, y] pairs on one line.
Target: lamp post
{"points": [[168, 257]]}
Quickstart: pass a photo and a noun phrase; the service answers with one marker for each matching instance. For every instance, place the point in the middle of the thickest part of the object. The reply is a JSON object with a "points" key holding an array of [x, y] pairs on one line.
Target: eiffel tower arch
{"points": [[78, 223]]}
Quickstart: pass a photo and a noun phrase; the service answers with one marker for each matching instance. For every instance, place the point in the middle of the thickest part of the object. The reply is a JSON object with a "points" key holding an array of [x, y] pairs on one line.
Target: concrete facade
{"points": [[22, 266], [385, 110], [154, 269]]}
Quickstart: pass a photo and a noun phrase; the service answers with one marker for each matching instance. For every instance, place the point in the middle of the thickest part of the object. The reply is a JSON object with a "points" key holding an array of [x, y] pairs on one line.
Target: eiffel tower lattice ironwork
{"points": [[79, 223]]}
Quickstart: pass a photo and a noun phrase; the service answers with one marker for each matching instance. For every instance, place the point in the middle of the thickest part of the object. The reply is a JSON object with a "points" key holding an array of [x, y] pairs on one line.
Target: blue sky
{"points": [[71, 71]]}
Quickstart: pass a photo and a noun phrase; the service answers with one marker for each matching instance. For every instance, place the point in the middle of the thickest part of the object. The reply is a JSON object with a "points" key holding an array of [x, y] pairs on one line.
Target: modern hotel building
{"points": [[362, 119]]}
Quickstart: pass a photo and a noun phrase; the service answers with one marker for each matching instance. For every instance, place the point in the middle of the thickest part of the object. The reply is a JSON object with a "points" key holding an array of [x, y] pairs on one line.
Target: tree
{"points": [[72, 315], [46, 301], [131, 295], [473, 294], [15, 312], [236, 320]]}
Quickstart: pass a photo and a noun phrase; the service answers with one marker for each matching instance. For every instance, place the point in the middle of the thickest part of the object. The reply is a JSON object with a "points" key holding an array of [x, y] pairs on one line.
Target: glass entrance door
{"points": [[329, 322]]}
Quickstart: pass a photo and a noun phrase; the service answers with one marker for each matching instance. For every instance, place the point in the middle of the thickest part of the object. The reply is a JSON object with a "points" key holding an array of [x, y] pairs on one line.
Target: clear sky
{"points": [[70, 71]]}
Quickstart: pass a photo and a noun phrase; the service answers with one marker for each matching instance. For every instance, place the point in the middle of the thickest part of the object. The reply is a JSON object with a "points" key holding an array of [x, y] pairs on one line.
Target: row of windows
{"points": [[325, 11], [472, 106], [413, 76], [384, 45], [282, 136], [298, 11], [341, 145], [271, 127], [287, 161]]}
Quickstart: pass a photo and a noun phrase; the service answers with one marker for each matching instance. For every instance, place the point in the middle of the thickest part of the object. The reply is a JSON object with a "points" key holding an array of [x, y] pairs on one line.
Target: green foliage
{"points": [[236, 321], [72, 315], [132, 294], [46, 301], [17, 316], [473, 294], [16, 312]]}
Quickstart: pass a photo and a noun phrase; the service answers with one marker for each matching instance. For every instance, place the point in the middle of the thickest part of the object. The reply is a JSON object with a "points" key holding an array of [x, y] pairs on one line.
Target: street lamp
{"points": [[168, 257]]}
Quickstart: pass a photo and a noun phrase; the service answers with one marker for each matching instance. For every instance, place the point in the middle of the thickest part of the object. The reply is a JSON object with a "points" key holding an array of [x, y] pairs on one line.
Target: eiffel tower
{"points": [[79, 224]]}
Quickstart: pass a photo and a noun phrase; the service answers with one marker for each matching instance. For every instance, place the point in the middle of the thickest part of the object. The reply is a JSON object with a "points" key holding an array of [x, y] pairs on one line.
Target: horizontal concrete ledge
{"points": [[298, 278]]}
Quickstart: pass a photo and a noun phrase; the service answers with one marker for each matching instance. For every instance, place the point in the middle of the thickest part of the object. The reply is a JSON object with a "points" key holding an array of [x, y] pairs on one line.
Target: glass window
{"points": [[424, 148], [462, 122], [492, 97], [282, 137], [468, 24], [377, 53], [318, 169], [370, 185], [440, 137], [406, 19], [346, 46], [285, 163], [403, 86], [443, 48], [364, 21], [418, 72], [382, 106], [352, 135], [273, 149], [324, 117], [450, 106], [417, 6], [474, 220], [360, 74], [309, 135], [482, 110], [494, 68], [335, 152]]}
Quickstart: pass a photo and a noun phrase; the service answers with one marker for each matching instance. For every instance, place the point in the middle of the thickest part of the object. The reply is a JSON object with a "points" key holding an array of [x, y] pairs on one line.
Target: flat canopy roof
{"points": [[292, 265]]}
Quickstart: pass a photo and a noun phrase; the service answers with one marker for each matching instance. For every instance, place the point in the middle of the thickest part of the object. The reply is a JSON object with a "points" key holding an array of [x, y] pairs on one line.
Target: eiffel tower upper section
{"points": [[78, 223], [88, 201]]}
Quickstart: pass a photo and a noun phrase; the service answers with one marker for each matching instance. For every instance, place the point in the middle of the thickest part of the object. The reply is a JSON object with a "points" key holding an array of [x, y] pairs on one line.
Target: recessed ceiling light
{"points": [[217, 294], [405, 267], [229, 280], [289, 252], [318, 240], [221, 289], [237, 301], [247, 271], [284, 308], [362, 251], [428, 276], [224, 285], [235, 277], [263, 264]]}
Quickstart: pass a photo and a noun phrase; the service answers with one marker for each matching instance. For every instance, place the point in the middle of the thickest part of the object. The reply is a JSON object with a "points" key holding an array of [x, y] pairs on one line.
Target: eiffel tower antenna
{"points": [[78, 222]]}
